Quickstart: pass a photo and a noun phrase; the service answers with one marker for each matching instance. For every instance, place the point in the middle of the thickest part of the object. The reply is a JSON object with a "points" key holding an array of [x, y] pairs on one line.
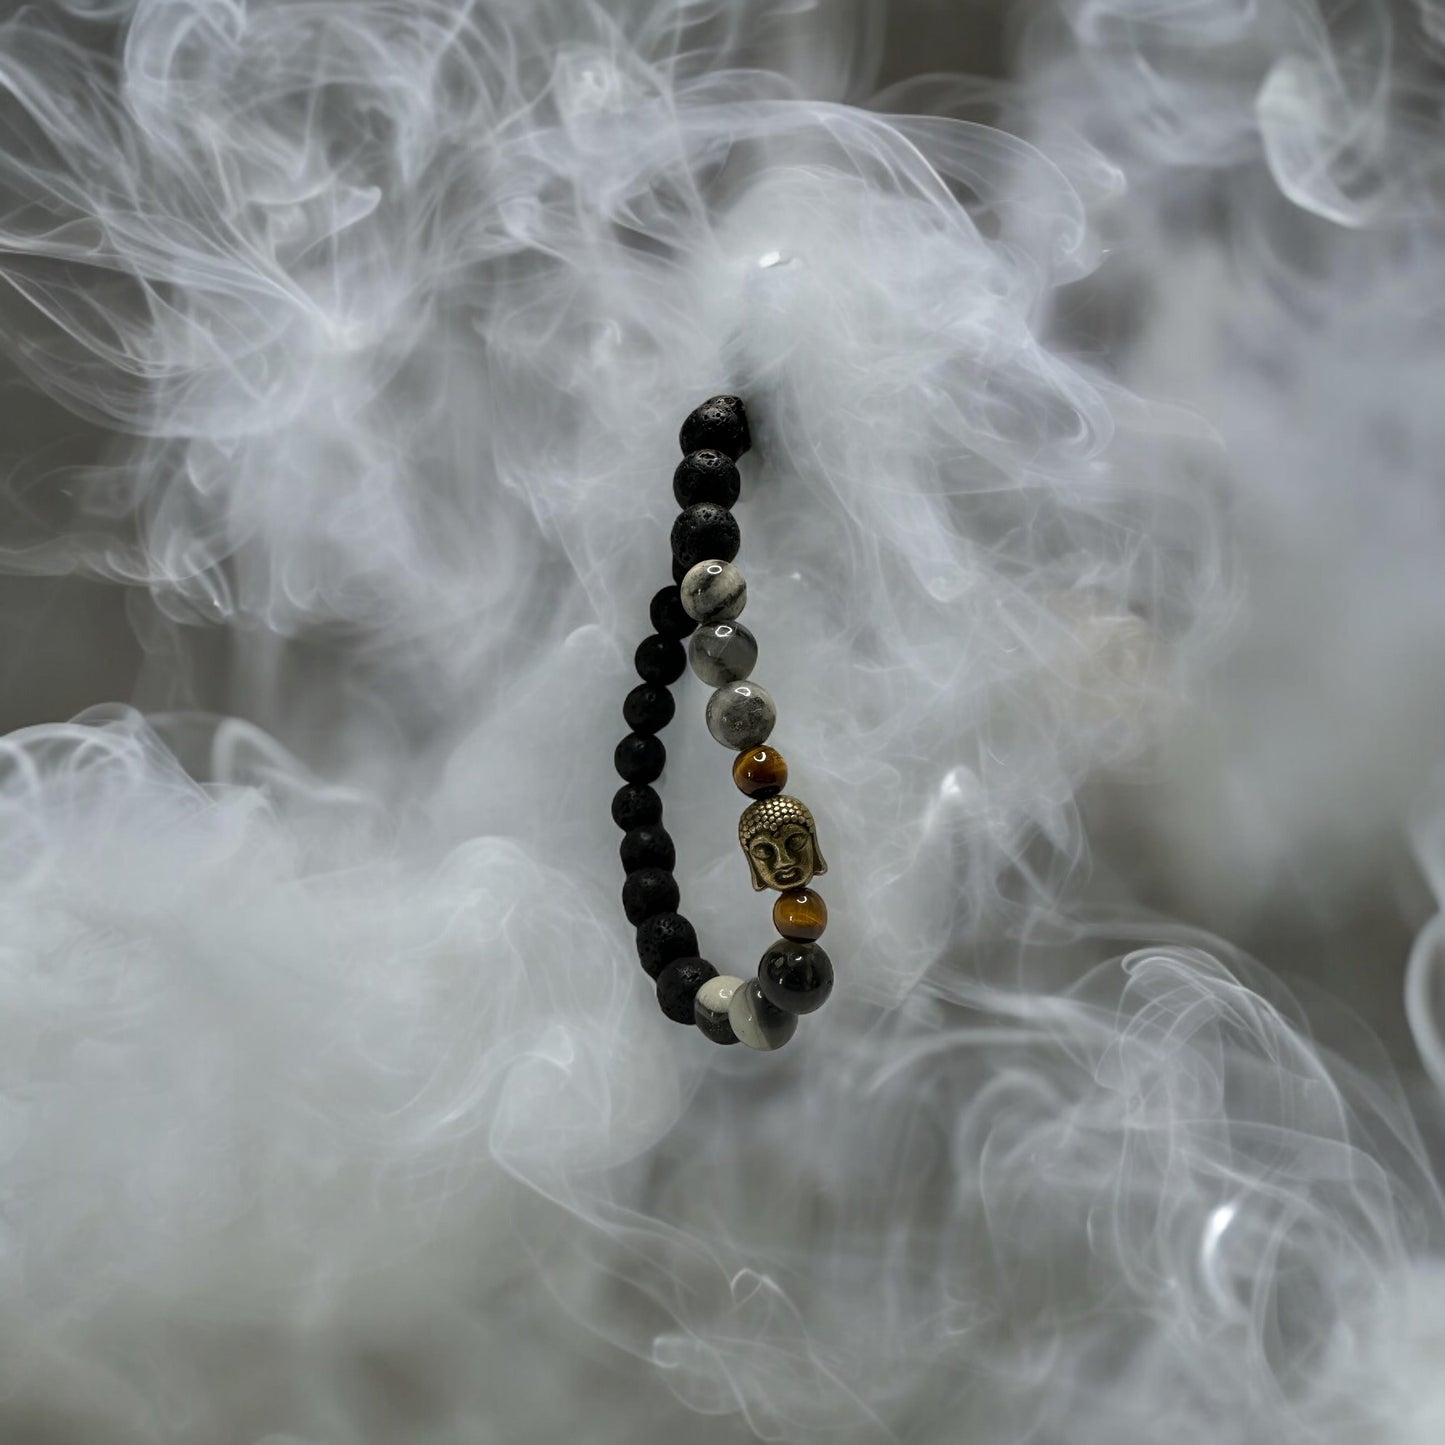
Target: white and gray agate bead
{"points": [[722, 652], [710, 1008], [713, 591], [757, 1022], [741, 715]]}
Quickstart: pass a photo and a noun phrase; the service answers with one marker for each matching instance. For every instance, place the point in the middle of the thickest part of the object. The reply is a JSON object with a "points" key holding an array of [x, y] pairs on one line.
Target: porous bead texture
{"points": [[796, 976], [721, 424], [635, 805], [706, 476], [741, 715], [647, 848], [703, 532], [662, 938], [660, 659], [710, 1008], [667, 614], [760, 772], [722, 652], [677, 987], [639, 758], [648, 708], [758, 1022], [800, 913], [649, 891], [713, 591]]}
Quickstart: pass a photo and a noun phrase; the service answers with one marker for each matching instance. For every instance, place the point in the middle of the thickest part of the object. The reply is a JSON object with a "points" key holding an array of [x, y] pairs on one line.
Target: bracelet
{"points": [[777, 833]]}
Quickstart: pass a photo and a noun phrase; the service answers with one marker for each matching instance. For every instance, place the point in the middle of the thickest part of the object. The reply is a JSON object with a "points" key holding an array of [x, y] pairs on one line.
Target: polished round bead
{"points": [[647, 848], [757, 1021], [720, 423], [713, 591], [648, 708], [710, 1008], [649, 891], [662, 938], [635, 805], [667, 614], [639, 758], [677, 987], [760, 772], [800, 913], [702, 532], [660, 659], [722, 652], [796, 976], [706, 476], [741, 715]]}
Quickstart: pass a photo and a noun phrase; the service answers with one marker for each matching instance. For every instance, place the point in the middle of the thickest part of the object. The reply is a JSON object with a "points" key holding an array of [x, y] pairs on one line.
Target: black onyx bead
{"points": [[668, 616], [648, 708], [639, 758], [706, 476], [649, 891], [704, 532], [720, 424], [647, 848], [662, 938], [677, 986], [796, 976], [635, 805], [660, 659]]}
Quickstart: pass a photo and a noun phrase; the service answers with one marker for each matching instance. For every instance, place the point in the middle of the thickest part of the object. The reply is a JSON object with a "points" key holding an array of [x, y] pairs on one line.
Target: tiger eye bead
{"points": [[760, 772], [800, 914]]}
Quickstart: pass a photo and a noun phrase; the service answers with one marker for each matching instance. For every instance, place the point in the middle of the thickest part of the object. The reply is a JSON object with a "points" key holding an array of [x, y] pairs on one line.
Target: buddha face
{"points": [[779, 838]]}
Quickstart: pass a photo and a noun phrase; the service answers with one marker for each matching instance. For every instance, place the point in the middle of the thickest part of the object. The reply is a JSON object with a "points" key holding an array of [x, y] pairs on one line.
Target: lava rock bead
{"points": [[720, 424], [649, 891], [635, 805], [706, 476], [668, 615], [662, 938], [639, 758], [713, 591], [796, 975], [648, 708], [660, 659], [741, 715], [647, 848], [760, 772], [703, 532], [677, 987], [758, 1022], [710, 1008], [722, 652]]}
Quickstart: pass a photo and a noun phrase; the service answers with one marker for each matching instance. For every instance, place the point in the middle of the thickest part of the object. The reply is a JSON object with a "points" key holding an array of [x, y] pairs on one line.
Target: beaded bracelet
{"points": [[776, 832]]}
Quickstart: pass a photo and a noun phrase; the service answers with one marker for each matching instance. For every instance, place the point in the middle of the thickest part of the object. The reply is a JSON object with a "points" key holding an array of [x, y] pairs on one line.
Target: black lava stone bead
{"points": [[648, 708], [662, 938], [677, 986], [704, 532], [649, 891], [660, 659], [669, 618], [720, 424], [639, 758], [679, 570], [647, 848], [635, 805], [706, 476], [796, 976]]}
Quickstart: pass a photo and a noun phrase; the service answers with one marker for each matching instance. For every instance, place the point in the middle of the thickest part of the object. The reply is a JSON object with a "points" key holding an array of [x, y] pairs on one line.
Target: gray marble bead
{"points": [[710, 1008], [741, 715], [722, 652], [713, 591], [758, 1023]]}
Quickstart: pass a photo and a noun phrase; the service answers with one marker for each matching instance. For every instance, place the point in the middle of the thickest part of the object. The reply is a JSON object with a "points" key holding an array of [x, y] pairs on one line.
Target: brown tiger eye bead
{"points": [[760, 772], [800, 914]]}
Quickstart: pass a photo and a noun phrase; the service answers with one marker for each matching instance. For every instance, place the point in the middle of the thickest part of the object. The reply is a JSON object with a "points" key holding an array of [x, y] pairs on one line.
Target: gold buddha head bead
{"points": [[781, 842]]}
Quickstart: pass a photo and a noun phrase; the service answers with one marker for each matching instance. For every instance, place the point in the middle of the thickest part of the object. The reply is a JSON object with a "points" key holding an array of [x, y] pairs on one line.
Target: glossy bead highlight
{"points": [[710, 1008], [800, 913], [741, 715], [722, 652], [757, 1021], [796, 976], [713, 591], [760, 772]]}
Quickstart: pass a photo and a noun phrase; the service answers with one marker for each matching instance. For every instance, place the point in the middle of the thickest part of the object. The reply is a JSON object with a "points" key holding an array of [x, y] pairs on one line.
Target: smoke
{"points": [[1090, 540]]}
